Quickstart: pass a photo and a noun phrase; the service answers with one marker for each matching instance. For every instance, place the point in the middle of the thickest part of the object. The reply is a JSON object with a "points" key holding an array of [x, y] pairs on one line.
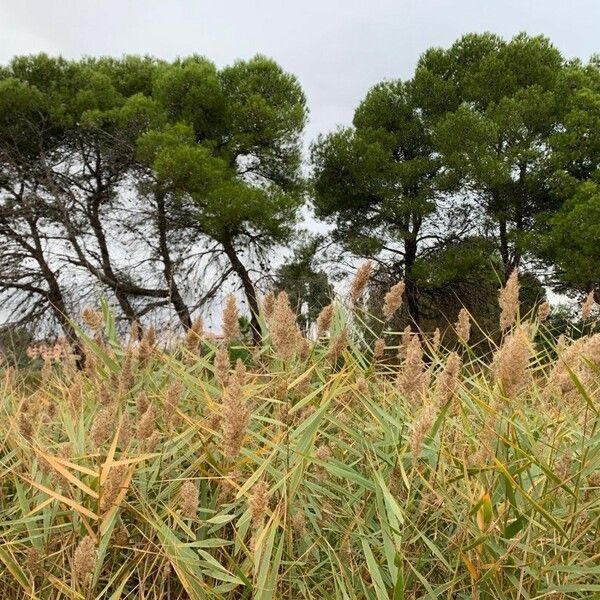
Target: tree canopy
{"points": [[490, 140], [165, 184], [144, 177]]}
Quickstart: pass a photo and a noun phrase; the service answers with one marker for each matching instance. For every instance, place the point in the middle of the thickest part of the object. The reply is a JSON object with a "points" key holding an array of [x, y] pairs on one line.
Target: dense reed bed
{"points": [[351, 465]]}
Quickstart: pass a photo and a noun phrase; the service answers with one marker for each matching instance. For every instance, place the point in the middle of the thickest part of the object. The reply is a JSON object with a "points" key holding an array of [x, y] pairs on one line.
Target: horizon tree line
{"points": [[160, 184]]}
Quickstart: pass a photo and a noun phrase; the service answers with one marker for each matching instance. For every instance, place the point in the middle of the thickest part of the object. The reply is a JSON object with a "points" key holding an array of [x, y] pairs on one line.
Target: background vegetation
{"points": [[163, 186]]}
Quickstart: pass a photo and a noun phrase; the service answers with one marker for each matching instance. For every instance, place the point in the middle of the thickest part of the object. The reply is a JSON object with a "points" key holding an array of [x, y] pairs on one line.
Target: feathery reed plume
{"points": [[362, 386], [463, 325], [125, 430], [152, 442], [239, 372], [447, 381], [304, 347], [193, 336], [285, 334], [582, 359], [34, 562], [437, 338], [543, 311], [112, 486], [407, 335], [147, 344], [102, 427], [378, 348], [508, 299], [268, 304], [299, 522], [221, 365], [91, 362], [393, 300], [258, 503], [104, 394], [134, 332], [126, 378], [188, 499], [235, 415], [586, 307], [511, 362], [360, 281], [141, 403], [25, 425], [172, 398], [231, 315], [420, 429], [75, 396], [84, 560], [413, 378], [324, 320], [323, 453], [145, 427], [337, 345], [92, 318]]}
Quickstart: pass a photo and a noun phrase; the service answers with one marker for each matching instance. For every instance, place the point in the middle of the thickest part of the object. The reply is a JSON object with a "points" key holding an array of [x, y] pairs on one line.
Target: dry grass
{"points": [[305, 471]]}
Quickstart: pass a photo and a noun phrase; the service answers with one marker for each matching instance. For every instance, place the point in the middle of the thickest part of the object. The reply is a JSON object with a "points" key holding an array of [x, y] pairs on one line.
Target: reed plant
{"points": [[330, 467]]}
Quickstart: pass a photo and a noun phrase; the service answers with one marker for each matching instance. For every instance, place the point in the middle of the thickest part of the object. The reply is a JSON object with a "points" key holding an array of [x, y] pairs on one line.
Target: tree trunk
{"points": [[175, 296], [55, 295], [410, 291], [249, 290], [98, 230]]}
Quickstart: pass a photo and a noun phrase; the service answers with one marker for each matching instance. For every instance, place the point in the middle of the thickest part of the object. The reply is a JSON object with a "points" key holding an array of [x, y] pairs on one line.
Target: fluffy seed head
{"points": [[436, 340], [34, 562], [125, 431], [586, 307], [337, 345], [420, 429], [235, 415], [511, 362], [147, 344], [258, 502], [407, 336], [193, 336], [509, 301], [102, 426], [543, 311], [84, 560], [141, 403], [188, 500], [378, 348], [231, 315], [221, 365], [152, 442], [463, 325], [393, 300], [324, 320], [172, 398], [268, 304], [92, 318], [285, 334], [112, 487], [413, 378], [360, 281], [145, 427]]}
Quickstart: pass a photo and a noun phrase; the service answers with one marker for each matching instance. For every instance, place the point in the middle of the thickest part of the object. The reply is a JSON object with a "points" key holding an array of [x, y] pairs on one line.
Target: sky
{"points": [[337, 48]]}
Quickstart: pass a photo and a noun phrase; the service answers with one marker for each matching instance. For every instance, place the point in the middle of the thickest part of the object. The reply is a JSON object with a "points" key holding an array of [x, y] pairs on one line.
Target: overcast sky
{"points": [[337, 48]]}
